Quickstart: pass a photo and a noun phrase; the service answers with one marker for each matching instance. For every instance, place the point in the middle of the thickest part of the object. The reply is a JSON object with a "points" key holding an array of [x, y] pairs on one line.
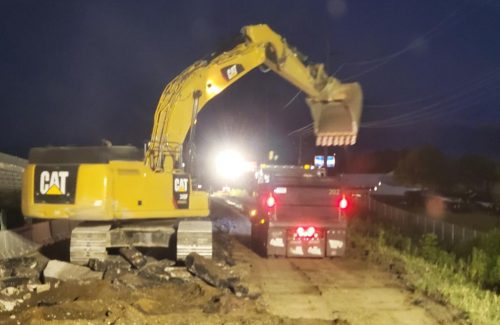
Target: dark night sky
{"points": [[74, 72]]}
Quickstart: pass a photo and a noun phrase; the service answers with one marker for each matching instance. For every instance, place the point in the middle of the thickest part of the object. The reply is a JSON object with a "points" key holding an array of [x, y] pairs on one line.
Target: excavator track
{"points": [[90, 240]]}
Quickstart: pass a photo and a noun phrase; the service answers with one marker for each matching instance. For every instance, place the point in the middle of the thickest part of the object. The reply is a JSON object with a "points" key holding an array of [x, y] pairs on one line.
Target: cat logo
{"points": [[53, 183], [181, 184], [181, 191], [232, 71]]}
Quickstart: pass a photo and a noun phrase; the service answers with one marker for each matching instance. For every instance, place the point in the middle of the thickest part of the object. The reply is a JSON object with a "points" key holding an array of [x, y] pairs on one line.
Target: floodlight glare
{"points": [[229, 164]]}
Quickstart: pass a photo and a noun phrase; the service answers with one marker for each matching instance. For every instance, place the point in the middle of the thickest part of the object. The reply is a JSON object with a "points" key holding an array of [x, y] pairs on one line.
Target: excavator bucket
{"points": [[336, 122]]}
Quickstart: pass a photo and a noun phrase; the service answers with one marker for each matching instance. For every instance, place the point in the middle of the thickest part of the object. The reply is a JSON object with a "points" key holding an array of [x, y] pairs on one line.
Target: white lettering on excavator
{"points": [[181, 185], [231, 72], [53, 182]]}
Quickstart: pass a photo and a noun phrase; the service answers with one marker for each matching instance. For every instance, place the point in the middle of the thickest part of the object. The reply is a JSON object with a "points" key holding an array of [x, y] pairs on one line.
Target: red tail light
{"points": [[270, 201], [310, 232], [343, 202]]}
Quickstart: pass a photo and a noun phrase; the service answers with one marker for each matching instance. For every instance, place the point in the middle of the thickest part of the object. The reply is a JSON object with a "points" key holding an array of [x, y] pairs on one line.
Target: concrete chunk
{"points": [[178, 272], [133, 256], [9, 305], [66, 271], [38, 288], [209, 271], [9, 291], [16, 281]]}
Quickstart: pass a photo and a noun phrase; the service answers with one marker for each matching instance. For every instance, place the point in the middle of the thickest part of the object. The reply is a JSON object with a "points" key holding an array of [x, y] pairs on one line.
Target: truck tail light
{"points": [[343, 202], [270, 201], [309, 232]]}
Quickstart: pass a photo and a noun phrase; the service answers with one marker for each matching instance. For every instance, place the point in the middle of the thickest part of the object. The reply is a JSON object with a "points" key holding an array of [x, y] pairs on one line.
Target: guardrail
{"points": [[413, 224]]}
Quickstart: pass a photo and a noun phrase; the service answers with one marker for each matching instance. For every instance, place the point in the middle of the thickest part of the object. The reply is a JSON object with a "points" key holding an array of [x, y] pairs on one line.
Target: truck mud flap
{"points": [[306, 248], [276, 242], [336, 242]]}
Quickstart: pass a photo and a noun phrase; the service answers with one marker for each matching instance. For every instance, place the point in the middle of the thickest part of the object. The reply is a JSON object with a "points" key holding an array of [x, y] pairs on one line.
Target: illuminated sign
{"points": [[330, 161], [319, 161]]}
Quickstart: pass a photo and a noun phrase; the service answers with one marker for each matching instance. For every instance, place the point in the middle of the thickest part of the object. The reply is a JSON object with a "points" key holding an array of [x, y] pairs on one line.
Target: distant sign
{"points": [[319, 161], [330, 161]]}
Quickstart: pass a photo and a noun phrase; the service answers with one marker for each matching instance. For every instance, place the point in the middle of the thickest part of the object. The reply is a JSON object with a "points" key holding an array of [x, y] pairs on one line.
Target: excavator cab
{"points": [[336, 121]]}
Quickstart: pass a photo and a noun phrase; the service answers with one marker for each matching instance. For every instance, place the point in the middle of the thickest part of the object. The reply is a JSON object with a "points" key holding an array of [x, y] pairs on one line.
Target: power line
{"points": [[387, 58], [432, 32], [447, 105], [433, 105], [421, 115], [310, 125], [435, 116], [292, 99], [426, 98]]}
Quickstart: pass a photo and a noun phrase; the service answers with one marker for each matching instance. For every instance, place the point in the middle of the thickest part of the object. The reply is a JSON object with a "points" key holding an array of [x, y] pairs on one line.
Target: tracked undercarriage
{"points": [[91, 240]]}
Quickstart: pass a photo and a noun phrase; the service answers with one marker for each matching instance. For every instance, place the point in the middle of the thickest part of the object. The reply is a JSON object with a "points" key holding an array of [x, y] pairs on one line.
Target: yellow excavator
{"points": [[130, 197]]}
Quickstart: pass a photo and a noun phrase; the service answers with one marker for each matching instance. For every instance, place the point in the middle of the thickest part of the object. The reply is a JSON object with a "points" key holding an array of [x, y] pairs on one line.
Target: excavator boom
{"points": [[335, 107]]}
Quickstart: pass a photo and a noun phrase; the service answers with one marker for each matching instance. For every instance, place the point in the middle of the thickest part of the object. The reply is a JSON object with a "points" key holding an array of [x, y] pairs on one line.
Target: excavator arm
{"points": [[335, 107]]}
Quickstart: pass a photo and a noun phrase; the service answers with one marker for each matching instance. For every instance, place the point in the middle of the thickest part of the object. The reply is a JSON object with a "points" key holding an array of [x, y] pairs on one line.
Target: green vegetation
{"points": [[468, 279], [481, 221], [470, 177]]}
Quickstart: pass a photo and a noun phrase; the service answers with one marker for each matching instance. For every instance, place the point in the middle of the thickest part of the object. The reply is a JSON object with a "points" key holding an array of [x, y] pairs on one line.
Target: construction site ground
{"points": [[280, 291]]}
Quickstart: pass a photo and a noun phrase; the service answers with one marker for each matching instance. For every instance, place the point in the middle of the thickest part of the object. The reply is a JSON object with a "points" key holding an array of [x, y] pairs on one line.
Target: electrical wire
{"points": [[426, 98], [385, 59], [431, 33], [310, 125], [479, 85], [445, 106], [292, 99], [433, 116], [447, 109]]}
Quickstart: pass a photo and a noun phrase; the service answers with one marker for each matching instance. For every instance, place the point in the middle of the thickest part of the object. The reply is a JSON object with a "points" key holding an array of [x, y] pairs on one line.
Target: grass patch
{"points": [[433, 271]]}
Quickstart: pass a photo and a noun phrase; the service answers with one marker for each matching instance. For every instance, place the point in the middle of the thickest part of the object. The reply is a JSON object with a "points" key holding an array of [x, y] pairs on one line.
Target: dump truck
{"points": [[299, 212]]}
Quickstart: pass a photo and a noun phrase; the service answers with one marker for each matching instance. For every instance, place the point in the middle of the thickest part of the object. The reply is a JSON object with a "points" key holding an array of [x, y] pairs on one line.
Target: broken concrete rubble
{"points": [[113, 267], [213, 274], [9, 305], [133, 256], [34, 261], [17, 281], [156, 270], [59, 270], [178, 272], [38, 288], [22, 270], [9, 291]]}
